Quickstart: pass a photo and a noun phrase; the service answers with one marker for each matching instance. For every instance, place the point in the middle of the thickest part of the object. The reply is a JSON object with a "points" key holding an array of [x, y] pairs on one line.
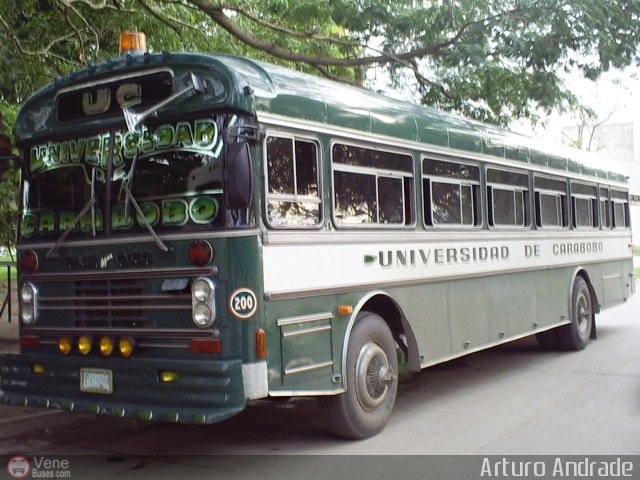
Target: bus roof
{"points": [[251, 86], [307, 97]]}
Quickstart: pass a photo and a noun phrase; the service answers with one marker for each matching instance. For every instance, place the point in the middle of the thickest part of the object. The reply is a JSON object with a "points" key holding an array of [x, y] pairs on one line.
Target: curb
{"points": [[9, 346], [25, 420]]}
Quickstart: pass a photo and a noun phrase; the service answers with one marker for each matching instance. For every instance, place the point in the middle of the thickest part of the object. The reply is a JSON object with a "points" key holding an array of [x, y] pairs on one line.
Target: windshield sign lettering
{"points": [[175, 212], [201, 136], [174, 170]]}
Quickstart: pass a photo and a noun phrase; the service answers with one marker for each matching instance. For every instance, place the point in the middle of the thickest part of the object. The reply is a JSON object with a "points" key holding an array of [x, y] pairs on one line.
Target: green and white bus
{"points": [[199, 231]]}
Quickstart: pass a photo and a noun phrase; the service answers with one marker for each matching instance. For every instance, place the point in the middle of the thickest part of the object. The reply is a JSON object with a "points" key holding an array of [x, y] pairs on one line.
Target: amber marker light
{"points": [[261, 344], [37, 368], [85, 344], [125, 347], [106, 346], [133, 42], [65, 345], [168, 376], [345, 309]]}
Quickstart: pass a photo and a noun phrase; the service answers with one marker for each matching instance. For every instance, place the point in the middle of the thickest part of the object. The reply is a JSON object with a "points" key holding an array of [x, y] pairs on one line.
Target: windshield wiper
{"points": [[91, 205], [134, 119], [141, 217], [125, 185], [130, 200]]}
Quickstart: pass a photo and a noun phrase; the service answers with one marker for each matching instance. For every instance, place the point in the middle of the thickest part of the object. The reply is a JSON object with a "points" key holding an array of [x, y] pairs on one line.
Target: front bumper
{"points": [[207, 391]]}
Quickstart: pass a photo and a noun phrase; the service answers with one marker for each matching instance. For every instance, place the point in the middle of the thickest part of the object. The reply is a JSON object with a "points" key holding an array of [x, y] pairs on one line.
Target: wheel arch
{"points": [[384, 305]]}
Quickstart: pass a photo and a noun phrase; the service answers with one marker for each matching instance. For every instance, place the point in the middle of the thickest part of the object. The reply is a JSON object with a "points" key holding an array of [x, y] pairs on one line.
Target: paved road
{"points": [[514, 399]]}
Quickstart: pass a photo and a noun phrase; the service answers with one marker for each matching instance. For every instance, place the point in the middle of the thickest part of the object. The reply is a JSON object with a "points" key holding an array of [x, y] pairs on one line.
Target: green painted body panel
{"points": [[557, 162], [252, 86], [448, 319], [37, 119], [207, 391], [211, 384], [539, 158], [306, 336], [236, 261], [297, 349]]}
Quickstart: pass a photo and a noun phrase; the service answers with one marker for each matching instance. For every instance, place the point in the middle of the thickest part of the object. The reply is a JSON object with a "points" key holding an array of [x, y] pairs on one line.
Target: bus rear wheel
{"points": [[371, 378], [576, 334]]}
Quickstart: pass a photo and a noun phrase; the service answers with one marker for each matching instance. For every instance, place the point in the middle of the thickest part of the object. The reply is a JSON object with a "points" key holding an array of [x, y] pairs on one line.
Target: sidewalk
{"points": [[17, 420], [9, 331], [8, 335]]}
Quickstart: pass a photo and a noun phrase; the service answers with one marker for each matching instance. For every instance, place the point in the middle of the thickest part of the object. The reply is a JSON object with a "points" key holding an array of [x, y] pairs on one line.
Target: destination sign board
{"points": [[108, 99]]}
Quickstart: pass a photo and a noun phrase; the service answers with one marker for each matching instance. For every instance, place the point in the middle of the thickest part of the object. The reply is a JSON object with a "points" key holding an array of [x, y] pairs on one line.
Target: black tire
{"points": [[549, 340], [371, 379], [576, 334]]}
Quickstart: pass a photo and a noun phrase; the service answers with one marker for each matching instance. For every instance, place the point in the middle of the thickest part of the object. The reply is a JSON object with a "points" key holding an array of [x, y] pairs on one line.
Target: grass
{"points": [[3, 270]]}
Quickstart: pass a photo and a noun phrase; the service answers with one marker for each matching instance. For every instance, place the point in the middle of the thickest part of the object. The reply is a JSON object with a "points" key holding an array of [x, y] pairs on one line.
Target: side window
{"points": [[507, 198], [451, 193], [550, 202], [620, 202], [584, 200], [605, 208], [372, 187], [293, 185]]}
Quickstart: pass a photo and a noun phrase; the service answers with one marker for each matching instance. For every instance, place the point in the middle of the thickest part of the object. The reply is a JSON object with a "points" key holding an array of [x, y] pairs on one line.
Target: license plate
{"points": [[96, 380]]}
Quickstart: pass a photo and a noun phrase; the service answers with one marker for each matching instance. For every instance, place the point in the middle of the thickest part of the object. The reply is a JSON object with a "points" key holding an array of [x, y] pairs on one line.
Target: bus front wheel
{"points": [[576, 334], [371, 378]]}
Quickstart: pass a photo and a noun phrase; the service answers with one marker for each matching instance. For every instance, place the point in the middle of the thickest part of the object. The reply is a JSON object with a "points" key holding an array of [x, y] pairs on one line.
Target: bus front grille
{"points": [[132, 300], [110, 304]]}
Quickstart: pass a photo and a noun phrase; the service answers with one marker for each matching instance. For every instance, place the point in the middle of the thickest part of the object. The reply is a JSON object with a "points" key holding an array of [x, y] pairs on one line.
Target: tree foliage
{"points": [[495, 60], [9, 179]]}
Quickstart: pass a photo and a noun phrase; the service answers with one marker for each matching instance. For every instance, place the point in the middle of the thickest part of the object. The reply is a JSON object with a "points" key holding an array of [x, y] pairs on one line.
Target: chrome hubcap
{"points": [[374, 375], [583, 314]]}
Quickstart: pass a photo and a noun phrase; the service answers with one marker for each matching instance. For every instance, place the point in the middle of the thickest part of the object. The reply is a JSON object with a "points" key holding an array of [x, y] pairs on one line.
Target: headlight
{"points": [[27, 294], [29, 303], [203, 302], [202, 315], [202, 289], [28, 314]]}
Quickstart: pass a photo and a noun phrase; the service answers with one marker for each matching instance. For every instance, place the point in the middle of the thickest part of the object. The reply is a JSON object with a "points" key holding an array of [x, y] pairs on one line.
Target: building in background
{"points": [[617, 139]]}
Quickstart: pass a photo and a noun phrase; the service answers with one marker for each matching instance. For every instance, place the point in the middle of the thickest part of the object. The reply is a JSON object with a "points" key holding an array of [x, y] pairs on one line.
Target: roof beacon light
{"points": [[133, 43]]}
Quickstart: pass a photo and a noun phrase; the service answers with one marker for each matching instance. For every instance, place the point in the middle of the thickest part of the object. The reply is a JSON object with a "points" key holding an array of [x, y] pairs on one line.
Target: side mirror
{"points": [[238, 174]]}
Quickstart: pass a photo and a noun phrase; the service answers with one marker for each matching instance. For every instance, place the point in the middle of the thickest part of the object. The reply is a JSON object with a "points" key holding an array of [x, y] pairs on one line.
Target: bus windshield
{"points": [[169, 178], [172, 190]]}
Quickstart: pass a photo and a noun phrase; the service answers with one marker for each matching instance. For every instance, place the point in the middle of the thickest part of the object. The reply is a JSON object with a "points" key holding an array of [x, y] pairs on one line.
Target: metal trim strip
{"points": [[314, 317], [308, 368], [306, 331]]}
